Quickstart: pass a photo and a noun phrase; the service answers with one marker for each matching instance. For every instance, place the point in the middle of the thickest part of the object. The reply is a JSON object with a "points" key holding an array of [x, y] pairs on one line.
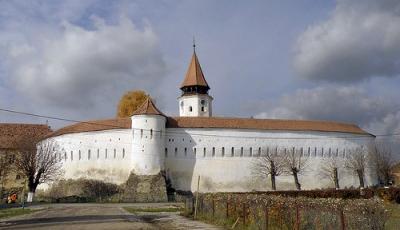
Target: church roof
{"points": [[148, 108], [194, 75], [12, 135], [222, 123]]}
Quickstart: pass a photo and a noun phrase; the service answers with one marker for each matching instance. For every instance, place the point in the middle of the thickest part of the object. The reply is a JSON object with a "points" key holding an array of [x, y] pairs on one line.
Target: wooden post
{"points": [[197, 198], [213, 207], [227, 208], [342, 220], [266, 218], [297, 218], [244, 213]]}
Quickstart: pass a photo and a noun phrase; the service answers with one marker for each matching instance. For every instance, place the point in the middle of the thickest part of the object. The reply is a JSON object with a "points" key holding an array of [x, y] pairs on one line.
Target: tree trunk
{"points": [[29, 199], [296, 179], [273, 185], [336, 178], [273, 175], [361, 178]]}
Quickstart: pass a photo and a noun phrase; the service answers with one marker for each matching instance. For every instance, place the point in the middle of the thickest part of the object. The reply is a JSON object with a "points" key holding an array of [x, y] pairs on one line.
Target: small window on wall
{"points": [[115, 153], [80, 156], [65, 156], [105, 154], [166, 152], [72, 155], [241, 151], [88, 154], [185, 151], [259, 151], [194, 151], [18, 177], [251, 151], [98, 153], [190, 109], [232, 151], [123, 153], [202, 109], [204, 152], [151, 133], [141, 133], [223, 151], [213, 151], [176, 151]]}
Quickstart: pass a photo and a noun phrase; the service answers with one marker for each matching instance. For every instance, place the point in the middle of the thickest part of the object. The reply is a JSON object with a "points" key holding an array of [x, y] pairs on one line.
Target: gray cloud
{"points": [[76, 67], [347, 104], [360, 40]]}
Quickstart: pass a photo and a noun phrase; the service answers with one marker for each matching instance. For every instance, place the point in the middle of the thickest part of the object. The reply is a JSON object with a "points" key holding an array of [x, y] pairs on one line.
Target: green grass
{"points": [[394, 216], [10, 212], [149, 209]]}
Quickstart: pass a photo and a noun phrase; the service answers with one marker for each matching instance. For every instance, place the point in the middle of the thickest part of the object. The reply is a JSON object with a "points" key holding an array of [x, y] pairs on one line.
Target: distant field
{"points": [[394, 219]]}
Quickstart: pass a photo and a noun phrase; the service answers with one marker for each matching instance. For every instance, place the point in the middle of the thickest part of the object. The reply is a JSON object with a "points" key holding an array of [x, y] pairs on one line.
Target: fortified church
{"points": [[219, 149]]}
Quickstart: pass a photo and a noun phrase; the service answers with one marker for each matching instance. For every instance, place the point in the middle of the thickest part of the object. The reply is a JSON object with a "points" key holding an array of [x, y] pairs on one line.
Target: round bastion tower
{"points": [[148, 127]]}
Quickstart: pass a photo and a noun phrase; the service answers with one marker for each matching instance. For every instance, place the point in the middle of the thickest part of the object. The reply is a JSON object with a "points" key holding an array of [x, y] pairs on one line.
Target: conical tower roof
{"points": [[148, 108], [194, 75]]}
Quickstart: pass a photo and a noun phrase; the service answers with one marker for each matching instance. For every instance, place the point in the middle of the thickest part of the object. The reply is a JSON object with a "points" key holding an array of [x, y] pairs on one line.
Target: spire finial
{"points": [[194, 45]]}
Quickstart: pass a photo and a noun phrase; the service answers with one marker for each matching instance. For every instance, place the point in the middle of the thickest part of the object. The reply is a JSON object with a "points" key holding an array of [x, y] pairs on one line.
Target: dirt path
{"points": [[100, 216]]}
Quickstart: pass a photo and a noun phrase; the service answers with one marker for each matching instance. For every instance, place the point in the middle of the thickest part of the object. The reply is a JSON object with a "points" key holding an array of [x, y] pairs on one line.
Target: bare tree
{"points": [[268, 165], [383, 162], [356, 161], [330, 169], [5, 167], [295, 163], [40, 163]]}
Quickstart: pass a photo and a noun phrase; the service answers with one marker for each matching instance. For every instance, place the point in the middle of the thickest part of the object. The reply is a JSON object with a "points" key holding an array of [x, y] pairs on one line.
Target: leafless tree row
{"points": [[376, 158]]}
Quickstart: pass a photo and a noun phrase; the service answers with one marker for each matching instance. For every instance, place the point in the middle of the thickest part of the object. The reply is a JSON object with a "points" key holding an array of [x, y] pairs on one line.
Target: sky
{"points": [[320, 60]]}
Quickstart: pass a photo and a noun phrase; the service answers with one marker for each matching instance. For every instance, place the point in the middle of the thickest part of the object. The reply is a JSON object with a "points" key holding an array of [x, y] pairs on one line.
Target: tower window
{"points": [[194, 151], [190, 109]]}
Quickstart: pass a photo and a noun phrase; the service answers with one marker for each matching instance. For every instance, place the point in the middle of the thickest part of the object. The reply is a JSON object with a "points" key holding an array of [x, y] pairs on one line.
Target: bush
{"points": [[81, 190]]}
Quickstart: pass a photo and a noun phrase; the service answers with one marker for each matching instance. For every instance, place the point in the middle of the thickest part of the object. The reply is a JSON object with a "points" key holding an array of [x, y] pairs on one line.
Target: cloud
{"points": [[347, 104], [360, 40], [74, 67]]}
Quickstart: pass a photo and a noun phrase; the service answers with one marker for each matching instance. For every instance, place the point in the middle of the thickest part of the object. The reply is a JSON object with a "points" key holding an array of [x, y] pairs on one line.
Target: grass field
{"points": [[9, 212], [394, 216]]}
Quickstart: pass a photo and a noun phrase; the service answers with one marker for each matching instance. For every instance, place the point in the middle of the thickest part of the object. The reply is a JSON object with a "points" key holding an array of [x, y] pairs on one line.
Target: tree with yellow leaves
{"points": [[129, 102]]}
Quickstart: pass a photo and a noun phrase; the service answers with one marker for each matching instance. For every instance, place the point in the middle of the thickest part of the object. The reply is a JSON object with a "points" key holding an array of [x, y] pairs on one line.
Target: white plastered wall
{"points": [[194, 101]]}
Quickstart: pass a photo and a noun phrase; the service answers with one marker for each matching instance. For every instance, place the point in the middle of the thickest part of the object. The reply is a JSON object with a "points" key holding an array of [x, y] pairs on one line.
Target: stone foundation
{"points": [[145, 188]]}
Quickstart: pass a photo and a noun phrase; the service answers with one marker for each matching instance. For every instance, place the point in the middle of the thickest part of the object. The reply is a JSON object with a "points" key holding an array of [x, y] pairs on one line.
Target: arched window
{"points": [[213, 151], [232, 151], [251, 151], [223, 151], [202, 109], [190, 109]]}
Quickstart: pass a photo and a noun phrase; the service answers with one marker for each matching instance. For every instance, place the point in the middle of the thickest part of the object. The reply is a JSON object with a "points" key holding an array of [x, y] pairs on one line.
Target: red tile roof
{"points": [[194, 75], [220, 122], [12, 135], [148, 108]]}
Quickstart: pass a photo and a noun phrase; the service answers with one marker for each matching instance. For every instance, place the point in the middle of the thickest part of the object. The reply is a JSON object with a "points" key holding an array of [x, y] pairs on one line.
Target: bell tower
{"points": [[195, 101]]}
